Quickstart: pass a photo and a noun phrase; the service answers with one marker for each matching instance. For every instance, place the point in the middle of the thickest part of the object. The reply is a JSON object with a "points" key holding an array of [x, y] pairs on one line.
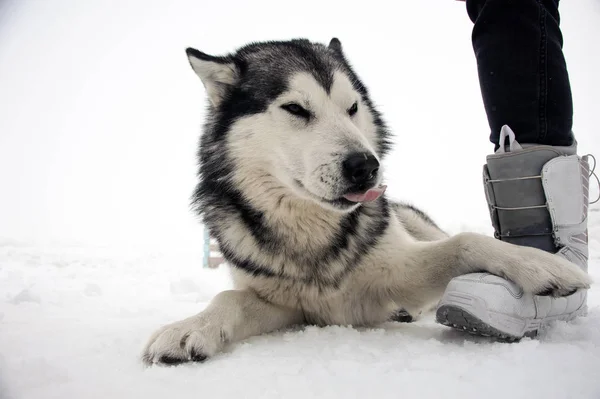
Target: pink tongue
{"points": [[367, 196]]}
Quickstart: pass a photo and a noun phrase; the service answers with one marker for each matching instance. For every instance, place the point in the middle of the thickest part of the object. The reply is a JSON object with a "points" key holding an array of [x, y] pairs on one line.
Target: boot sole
{"points": [[460, 319]]}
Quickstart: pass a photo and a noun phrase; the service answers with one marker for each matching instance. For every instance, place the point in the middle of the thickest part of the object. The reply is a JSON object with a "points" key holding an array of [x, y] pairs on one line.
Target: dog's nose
{"points": [[360, 167]]}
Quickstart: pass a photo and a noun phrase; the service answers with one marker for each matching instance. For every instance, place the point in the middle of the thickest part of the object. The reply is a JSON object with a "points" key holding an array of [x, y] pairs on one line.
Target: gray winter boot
{"points": [[538, 197]]}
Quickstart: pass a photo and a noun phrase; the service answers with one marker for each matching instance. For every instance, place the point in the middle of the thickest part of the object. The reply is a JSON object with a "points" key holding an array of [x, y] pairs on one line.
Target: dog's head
{"points": [[296, 113]]}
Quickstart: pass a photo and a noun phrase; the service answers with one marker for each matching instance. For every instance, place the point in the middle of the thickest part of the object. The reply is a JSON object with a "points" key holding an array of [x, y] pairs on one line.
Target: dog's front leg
{"points": [[427, 267], [231, 316]]}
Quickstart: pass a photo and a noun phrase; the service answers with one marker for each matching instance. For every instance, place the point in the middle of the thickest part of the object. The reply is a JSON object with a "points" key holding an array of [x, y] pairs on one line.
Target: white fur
{"points": [[215, 77]]}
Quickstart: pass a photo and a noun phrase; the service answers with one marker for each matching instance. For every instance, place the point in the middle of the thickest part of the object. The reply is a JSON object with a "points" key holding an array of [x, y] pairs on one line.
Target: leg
{"points": [[431, 266], [525, 85], [538, 192], [231, 317], [522, 69]]}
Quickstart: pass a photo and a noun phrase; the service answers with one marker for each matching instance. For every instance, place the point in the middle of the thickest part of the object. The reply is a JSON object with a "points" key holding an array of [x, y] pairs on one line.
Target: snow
{"points": [[99, 119], [73, 321]]}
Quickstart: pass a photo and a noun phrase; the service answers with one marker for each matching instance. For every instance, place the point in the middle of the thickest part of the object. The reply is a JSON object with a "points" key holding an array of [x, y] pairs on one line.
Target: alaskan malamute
{"points": [[291, 188]]}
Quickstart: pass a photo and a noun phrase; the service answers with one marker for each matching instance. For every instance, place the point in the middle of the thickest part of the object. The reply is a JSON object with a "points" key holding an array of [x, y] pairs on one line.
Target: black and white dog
{"points": [[291, 187]]}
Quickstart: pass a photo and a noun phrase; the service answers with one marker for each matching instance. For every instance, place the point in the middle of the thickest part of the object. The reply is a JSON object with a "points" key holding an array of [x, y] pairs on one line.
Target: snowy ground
{"points": [[73, 321]]}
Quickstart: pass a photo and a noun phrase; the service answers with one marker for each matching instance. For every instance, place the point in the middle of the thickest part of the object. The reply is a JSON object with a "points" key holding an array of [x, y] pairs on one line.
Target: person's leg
{"points": [[525, 85], [522, 69], [536, 186]]}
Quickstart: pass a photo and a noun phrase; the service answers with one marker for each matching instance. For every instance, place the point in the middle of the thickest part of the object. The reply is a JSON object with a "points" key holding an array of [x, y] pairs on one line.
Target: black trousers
{"points": [[522, 70]]}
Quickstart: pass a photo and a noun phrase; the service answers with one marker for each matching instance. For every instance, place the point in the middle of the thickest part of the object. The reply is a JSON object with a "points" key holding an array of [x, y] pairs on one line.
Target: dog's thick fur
{"points": [[272, 193]]}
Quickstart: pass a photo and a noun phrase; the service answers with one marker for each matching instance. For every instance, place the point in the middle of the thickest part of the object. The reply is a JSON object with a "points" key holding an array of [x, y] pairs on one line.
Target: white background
{"points": [[100, 112]]}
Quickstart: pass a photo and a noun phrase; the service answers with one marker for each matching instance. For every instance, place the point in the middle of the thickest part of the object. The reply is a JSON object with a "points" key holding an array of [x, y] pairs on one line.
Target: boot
{"points": [[537, 197]]}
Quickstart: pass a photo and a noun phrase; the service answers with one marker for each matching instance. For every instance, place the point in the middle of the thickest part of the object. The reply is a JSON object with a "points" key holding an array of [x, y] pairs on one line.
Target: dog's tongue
{"points": [[367, 196]]}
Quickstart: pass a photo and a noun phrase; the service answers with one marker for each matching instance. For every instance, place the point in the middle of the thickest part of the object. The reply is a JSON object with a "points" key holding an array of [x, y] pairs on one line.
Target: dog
{"points": [[291, 187]]}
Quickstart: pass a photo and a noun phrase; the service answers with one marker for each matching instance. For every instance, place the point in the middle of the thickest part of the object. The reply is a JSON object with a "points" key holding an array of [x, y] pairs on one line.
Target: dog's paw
{"points": [[543, 273], [194, 339]]}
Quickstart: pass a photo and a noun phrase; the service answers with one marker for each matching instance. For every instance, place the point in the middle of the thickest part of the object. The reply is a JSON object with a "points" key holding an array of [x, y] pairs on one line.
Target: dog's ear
{"points": [[218, 74], [336, 45]]}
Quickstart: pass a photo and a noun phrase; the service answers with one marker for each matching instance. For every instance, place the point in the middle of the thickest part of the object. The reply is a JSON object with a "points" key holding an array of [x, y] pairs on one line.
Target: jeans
{"points": [[522, 70]]}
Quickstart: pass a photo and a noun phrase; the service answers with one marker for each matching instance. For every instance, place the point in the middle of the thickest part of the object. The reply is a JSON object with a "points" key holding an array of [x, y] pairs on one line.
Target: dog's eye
{"points": [[352, 110], [296, 110]]}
